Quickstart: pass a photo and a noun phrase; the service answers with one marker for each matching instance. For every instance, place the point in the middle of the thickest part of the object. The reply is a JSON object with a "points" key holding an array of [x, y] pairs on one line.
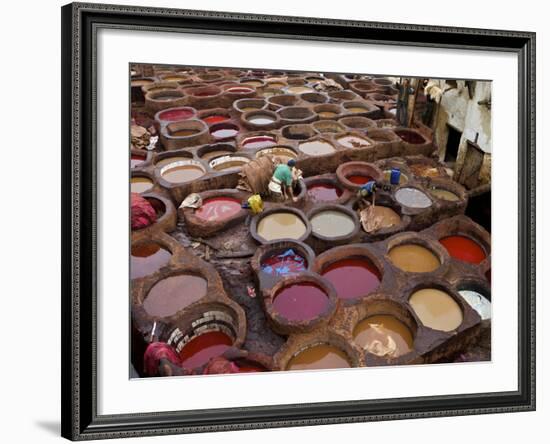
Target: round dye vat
{"points": [[300, 302], [436, 309], [225, 133], [326, 115], [281, 225], [174, 115], [385, 216], [146, 258], [218, 209], [478, 302], [181, 173], [324, 192], [463, 248], [316, 148], [199, 350], [141, 82], [332, 223], [217, 153], [318, 357], [169, 160], [173, 293], [284, 154], [299, 89], [359, 179], [413, 198], [140, 184], [229, 163], [440, 193], [410, 136], [353, 142], [383, 335], [254, 83], [353, 278], [414, 258], [184, 132], [215, 118], [239, 90], [261, 119], [356, 109], [255, 142], [283, 264], [167, 96], [136, 160]]}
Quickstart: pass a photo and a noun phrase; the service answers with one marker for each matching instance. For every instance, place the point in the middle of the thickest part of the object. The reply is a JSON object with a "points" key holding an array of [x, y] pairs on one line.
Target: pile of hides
{"points": [[142, 212], [256, 174], [327, 85], [369, 220], [139, 137]]}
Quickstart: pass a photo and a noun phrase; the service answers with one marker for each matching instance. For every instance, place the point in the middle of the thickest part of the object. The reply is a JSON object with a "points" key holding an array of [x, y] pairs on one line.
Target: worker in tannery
{"points": [[281, 182]]}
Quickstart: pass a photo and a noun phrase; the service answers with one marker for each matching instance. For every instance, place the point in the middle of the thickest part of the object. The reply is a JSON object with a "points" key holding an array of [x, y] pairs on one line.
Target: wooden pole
{"points": [[416, 83]]}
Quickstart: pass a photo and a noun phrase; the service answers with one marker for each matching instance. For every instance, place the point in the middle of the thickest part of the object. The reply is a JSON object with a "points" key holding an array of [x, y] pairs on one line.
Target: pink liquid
{"points": [[353, 278], [324, 192], [198, 351], [218, 209], [174, 115], [259, 142]]}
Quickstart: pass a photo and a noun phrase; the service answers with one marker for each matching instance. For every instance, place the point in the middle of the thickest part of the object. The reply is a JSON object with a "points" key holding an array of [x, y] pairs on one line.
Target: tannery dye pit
{"points": [[306, 221]]}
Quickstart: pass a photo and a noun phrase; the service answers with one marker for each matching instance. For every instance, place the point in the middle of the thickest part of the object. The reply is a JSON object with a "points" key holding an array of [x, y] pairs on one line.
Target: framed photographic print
{"points": [[277, 221]]}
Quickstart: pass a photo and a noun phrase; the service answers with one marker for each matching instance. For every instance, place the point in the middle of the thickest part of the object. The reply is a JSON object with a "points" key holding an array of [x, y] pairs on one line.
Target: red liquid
{"points": [[135, 160], [463, 249], [324, 192], [259, 142], [410, 137], [353, 278], [218, 208], [225, 133], [359, 179], [215, 119], [240, 90], [174, 115], [147, 258], [300, 302], [198, 351], [205, 94], [250, 367]]}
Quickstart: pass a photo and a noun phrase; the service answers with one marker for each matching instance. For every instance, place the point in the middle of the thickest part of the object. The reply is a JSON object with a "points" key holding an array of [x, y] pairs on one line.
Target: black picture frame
{"points": [[79, 170]]}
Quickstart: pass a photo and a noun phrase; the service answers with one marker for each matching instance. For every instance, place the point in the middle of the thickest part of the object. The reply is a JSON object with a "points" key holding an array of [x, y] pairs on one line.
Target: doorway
{"points": [[453, 142]]}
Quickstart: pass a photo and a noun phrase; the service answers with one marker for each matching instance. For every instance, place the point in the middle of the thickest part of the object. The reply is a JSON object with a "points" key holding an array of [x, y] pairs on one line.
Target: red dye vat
{"points": [[464, 249], [240, 90], [215, 119], [259, 142], [300, 302], [198, 351], [359, 179], [174, 115], [250, 367], [324, 192], [135, 160], [353, 278], [285, 263], [218, 208]]}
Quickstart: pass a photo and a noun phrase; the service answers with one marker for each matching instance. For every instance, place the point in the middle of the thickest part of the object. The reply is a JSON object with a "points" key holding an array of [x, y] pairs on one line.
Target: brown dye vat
{"points": [[182, 173], [170, 295], [299, 90], [410, 136], [414, 258], [298, 132], [141, 82], [147, 258], [316, 148], [386, 216], [436, 309], [328, 126], [184, 132], [140, 184], [440, 193], [281, 225], [318, 357], [332, 223], [383, 335], [351, 141], [228, 163]]}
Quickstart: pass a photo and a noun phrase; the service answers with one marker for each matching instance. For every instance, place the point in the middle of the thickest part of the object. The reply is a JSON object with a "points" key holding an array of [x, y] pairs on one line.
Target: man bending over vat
{"points": [[281, 182]]}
